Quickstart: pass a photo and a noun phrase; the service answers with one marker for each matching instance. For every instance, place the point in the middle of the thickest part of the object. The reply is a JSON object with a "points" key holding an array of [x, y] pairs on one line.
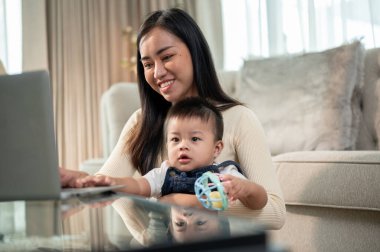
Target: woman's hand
{"points": [[181, 199], [250, 194], [98, 180], [69, 177]]}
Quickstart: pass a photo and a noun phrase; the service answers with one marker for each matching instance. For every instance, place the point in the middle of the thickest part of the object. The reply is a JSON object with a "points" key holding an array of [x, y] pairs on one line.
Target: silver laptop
{"points": [[28, 153]]}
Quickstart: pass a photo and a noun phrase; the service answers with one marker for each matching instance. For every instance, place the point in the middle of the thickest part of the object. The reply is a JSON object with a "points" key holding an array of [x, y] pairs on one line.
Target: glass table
{"points": [[116, 222]]}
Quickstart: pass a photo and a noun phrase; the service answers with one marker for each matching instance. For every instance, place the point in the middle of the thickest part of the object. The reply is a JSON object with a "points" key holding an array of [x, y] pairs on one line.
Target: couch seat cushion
{"points": [[337, 179]]}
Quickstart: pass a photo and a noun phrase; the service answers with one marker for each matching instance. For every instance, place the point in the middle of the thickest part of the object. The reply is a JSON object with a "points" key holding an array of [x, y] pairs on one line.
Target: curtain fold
{"points": [[86, 50]]}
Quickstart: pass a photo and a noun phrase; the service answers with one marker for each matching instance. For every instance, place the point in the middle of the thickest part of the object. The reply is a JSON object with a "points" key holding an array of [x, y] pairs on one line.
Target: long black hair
{"points": [[145, 141]]}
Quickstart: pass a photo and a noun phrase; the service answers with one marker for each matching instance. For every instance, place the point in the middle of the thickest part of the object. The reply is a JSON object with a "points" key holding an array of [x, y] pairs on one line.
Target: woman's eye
{"points": [[167, 57], [174, 139], [147, 65]]}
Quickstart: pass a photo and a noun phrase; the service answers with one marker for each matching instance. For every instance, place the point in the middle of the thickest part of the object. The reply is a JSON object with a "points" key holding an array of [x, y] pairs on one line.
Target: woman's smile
{"points": [[164, 86]]}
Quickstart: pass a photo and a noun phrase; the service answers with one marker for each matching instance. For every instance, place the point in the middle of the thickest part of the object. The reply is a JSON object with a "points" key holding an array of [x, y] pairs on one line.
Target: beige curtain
{"points": [[85, 51]]}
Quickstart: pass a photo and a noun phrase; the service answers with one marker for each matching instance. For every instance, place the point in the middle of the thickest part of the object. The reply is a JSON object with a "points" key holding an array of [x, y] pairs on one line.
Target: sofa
{"points": [[321, 114]]}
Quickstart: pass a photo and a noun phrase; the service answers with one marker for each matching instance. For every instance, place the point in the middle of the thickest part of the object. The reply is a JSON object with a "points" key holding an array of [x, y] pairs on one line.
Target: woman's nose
{"points": [[159, 70]]}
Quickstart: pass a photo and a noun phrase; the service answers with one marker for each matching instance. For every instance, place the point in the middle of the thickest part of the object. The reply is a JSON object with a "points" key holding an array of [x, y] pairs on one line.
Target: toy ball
{"points": [[210, 192]]}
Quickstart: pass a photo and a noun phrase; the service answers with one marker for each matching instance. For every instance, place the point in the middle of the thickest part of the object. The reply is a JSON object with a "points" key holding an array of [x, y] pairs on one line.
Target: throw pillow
{"points": [[369, 132], [308, 101]]}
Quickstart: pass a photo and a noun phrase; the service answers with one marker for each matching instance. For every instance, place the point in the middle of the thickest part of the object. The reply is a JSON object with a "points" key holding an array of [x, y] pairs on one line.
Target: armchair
{"points": [[117, 104]]}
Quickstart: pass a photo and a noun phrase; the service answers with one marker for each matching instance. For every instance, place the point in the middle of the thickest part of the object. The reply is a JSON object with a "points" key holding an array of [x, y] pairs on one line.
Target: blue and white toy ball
{"points": [[210, 192]]}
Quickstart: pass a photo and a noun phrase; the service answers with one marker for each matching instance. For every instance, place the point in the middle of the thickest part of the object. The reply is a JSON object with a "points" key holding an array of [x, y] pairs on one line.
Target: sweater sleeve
{"points": [[119, 163], [245, 142]]}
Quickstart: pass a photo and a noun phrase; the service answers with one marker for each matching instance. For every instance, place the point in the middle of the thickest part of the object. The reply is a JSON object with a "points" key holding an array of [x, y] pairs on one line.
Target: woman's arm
{"points": [[182, 199], [118, 164], [245, 142]]}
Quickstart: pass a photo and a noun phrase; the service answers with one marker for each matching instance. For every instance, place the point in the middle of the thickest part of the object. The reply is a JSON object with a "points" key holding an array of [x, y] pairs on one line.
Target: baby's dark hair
{"points": [[197, 107]]}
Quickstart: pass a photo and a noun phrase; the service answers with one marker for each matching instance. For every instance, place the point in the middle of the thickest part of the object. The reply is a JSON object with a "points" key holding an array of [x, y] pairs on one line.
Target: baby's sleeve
{"points": [[156, 178], [232, 170]]}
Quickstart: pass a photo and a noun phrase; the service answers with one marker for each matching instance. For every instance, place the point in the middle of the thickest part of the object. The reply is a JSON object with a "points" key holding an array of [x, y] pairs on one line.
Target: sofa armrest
{"points": [[336, 179], [118, 103], [331, 199]]}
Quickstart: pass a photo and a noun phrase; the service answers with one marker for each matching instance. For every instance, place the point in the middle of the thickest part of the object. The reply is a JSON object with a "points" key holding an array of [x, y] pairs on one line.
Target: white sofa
{"points": [[321, 113]]}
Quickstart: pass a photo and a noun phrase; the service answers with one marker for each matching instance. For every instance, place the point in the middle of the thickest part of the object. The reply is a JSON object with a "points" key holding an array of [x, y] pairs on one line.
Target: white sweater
{"points": [[244, 142]]}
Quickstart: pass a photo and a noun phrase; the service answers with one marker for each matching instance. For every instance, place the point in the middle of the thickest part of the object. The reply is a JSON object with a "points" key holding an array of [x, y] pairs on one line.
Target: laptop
{"points": [[28, 152]]}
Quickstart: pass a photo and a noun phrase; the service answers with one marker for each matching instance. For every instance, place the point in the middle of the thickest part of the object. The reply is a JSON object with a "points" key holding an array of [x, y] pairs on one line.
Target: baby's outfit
{"points": [[166, 180]]}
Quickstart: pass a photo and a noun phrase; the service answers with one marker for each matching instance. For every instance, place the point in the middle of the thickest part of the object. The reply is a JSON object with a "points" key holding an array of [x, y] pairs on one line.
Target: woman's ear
{"points": [[218, 148]]}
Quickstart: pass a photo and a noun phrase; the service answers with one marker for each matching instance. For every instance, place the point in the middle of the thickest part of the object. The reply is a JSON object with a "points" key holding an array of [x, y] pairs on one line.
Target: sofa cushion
{"points": [[337, 179], [308, 101], [316, 229], [369, 133]]}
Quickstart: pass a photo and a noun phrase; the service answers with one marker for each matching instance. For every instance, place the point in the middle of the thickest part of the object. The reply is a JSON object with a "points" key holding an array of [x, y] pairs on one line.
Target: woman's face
{"points": [[167, 63]]}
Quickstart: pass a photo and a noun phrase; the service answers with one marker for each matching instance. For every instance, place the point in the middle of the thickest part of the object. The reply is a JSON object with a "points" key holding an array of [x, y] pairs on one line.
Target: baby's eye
{"points": [[194, 139], [180, 223], [174, 139], [201, 222]]}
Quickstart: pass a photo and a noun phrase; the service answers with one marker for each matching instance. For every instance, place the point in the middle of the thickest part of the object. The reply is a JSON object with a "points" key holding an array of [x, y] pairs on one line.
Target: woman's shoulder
{"points": [[135, 117], [132, 121], [136, 114], [238, 111], [240, 116]]}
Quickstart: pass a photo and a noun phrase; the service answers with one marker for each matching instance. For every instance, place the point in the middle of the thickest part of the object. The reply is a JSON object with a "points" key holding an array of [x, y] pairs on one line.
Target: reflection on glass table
{"points": [[84, 224]]}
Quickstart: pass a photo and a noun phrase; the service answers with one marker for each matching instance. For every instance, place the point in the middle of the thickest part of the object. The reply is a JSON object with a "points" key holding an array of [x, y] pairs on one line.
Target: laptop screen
{"points": [[29, 160]]}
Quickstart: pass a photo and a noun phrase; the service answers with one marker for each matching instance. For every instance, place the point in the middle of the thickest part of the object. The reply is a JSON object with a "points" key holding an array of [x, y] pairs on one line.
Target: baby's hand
{"points": [[98, 180], [234, 187]]}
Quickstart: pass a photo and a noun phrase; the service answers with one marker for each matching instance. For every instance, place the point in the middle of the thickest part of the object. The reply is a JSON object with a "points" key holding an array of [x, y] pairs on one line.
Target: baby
{"points": [[194, 131]]}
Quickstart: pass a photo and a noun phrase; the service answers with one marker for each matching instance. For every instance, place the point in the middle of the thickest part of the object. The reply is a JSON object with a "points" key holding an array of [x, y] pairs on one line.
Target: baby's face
{"points": [[191, 143], [189, 225]]}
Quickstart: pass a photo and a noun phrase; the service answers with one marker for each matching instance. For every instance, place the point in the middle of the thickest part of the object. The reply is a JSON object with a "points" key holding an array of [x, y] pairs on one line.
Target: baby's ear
{"points": [[218, 148]]}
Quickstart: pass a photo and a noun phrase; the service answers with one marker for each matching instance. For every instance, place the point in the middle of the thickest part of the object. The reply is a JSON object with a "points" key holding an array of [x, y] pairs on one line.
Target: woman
{"points": [[174, 63]]}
